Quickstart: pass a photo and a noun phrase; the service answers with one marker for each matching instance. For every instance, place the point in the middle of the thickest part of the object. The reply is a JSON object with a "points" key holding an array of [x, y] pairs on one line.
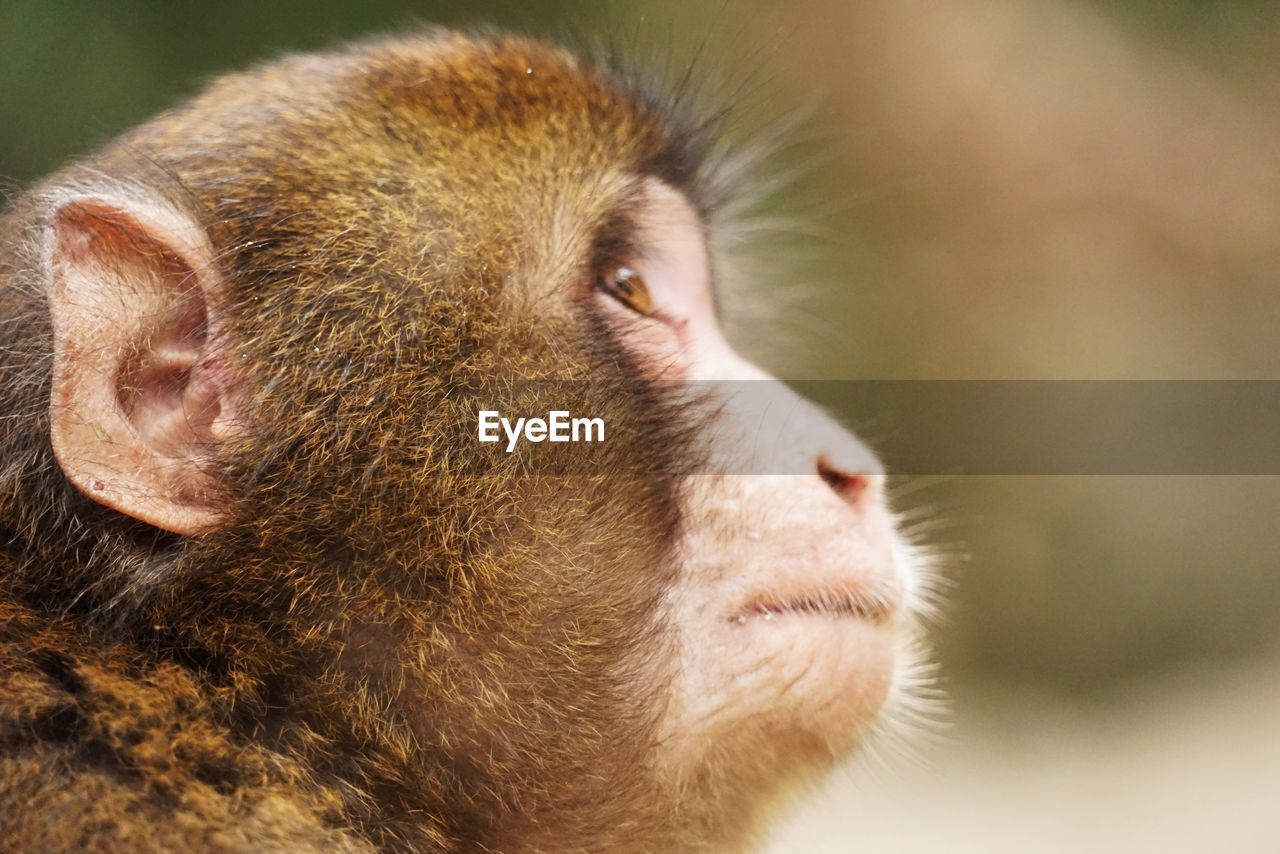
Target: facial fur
{"points": [[326, 620]]}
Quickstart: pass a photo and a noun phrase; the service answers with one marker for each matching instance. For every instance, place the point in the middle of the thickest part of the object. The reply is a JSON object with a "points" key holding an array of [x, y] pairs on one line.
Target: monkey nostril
{"points": [[847, 486]]}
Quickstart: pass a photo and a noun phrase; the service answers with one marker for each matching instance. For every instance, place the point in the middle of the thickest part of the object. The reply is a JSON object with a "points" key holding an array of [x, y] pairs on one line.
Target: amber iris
{"points": [[628, 287]]}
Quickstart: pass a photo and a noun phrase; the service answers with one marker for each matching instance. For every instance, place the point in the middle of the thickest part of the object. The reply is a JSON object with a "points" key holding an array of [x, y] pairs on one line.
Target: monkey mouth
{"points": [[874, 605]]}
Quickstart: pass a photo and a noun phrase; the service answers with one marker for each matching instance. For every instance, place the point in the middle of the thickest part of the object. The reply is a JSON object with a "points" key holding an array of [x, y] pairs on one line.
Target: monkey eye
{"points": [[627, 287]]}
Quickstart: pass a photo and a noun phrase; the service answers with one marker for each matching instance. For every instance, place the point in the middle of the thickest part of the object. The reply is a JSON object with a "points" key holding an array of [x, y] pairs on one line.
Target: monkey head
{"points": [[248, 342]]}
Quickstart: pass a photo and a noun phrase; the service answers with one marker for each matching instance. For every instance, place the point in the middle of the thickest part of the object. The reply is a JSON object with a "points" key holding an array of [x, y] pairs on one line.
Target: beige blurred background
{"points": [[983, 189], [1058, 189]]}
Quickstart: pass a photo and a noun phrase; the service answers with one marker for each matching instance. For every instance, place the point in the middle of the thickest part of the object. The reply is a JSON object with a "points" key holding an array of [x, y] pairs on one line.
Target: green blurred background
{"points": [[1016, 189]]}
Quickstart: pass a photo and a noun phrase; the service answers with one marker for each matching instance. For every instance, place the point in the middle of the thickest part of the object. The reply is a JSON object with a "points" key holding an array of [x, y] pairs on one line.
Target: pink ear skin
{"points": [[139, 399]]}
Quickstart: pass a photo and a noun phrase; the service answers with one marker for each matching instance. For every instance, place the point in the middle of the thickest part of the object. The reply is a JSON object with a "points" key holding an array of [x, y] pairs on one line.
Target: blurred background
{"points": [[975, 189]]}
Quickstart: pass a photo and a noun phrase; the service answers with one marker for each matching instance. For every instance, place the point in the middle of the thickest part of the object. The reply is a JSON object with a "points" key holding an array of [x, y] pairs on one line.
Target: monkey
{"points": [[262, 589]]}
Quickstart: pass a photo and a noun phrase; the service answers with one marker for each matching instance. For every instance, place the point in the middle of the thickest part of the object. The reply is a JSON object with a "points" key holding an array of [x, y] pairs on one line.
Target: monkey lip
{"points": [[873, 604]]}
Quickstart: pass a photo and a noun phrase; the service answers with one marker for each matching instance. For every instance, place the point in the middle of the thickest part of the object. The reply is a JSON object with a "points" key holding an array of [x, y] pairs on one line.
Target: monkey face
{"points": [[273, 326], [794, 600]]}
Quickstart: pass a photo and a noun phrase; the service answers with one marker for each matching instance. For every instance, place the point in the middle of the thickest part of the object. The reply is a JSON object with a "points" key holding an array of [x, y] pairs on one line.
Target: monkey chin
{"points": [[822, 671], [776, 691], [814, 671], [795, 672]]}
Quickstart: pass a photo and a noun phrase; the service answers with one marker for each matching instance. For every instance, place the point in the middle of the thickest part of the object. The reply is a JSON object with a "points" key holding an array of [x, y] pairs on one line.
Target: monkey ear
{"points": [[139, 396]]}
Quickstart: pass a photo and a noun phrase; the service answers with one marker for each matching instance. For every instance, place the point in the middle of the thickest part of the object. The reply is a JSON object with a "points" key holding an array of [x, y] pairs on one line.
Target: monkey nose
{"points": [[854, 477]]}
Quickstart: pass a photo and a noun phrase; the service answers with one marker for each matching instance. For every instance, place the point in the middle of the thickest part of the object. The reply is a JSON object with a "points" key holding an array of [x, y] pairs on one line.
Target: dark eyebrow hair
{"points": [[616, 236], [689, 161], [682, 108], [680, 164]]}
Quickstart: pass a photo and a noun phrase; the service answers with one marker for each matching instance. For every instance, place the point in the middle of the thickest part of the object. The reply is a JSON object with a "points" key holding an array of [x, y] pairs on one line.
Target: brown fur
{"points": [[378, 649]]}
